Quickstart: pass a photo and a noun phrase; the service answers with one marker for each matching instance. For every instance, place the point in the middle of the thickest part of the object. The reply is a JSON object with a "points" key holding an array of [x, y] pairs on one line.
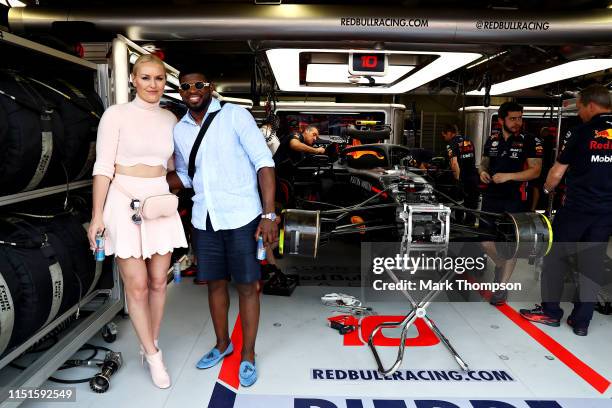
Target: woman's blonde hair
{"points": [[146, 58]]}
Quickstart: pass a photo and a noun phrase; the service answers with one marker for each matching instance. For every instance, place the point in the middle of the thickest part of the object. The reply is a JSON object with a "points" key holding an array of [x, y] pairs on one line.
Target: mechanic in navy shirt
{"points": [[463, 164], [548, 139], [300, 144], [583, 224], [510, 159]]}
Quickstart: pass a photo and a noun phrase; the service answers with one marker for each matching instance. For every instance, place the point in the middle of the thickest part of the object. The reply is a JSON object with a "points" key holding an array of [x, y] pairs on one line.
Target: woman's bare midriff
{"points": [[140, 170]]}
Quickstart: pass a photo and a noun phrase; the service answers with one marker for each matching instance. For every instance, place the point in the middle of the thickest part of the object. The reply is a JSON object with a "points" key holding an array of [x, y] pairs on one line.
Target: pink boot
{"points": [[142, 351], [159, 375]]}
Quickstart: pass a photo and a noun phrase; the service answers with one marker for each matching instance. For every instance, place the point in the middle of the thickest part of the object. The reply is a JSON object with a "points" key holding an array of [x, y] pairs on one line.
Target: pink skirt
{"points": [[126, 239]]}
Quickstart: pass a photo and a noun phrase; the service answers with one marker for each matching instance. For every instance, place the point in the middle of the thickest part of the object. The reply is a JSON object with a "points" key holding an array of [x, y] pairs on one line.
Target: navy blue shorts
{"points": [[498, 205], [502, 205], [226, 254]]}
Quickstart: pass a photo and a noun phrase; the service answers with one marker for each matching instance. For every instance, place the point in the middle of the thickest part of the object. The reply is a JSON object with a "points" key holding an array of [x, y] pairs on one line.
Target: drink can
{"points": [[261, 250], [176, 269], [99, 252]]}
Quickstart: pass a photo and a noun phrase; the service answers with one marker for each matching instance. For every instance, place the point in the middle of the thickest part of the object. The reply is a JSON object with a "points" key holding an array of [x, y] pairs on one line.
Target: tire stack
{"points": [[47, 132], [28, 154], [46, 268], [80, 116]]}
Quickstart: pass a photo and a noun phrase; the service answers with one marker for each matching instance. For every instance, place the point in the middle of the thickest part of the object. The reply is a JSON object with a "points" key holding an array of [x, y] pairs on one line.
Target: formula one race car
{"points": [[387, 192]]}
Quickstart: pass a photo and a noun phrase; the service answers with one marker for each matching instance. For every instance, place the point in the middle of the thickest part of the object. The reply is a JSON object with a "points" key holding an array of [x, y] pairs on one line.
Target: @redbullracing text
{"points": [[513, 25], [384, 22]]}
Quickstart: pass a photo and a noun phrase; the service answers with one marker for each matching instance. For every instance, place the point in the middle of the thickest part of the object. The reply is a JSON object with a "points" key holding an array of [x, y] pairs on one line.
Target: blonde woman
{"points": [[134, 150]]}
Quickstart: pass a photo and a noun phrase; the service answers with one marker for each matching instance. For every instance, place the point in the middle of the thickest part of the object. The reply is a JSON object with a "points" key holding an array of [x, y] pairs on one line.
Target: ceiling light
{"points": [[285, 64], [481, 61], [549, 75], [12, 3], [339, 73], [525, 108]]}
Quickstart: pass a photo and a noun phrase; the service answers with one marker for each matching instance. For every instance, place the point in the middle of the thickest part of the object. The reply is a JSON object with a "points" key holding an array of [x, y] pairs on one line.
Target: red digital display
{"points": [[368, 63]]}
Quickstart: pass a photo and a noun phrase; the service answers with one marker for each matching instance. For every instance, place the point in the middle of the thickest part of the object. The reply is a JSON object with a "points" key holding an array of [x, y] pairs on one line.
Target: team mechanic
{"points": [[583, 224], [301, 144], [509, 160], [294, 149], [226, 216], [463, 164]]}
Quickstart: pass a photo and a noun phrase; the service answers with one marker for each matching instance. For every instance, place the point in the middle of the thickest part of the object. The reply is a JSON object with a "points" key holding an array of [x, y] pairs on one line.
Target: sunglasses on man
{"points": [[198, 85]]}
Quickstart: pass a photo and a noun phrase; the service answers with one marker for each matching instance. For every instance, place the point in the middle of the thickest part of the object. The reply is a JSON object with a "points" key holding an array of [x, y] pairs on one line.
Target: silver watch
{"points": [[270, 216]]}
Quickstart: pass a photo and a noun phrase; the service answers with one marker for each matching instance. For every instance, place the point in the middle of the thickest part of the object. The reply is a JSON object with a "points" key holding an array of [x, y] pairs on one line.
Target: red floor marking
{"points": [[597, 381], [231, 363], [589, 375]]}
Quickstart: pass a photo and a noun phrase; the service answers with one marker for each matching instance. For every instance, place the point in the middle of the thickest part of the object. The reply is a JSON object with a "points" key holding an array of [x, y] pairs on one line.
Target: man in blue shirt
{"points": [[227, 217]]}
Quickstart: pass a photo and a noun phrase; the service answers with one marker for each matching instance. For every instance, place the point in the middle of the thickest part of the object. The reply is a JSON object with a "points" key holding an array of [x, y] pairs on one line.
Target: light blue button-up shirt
{"points": [[225, 181]]}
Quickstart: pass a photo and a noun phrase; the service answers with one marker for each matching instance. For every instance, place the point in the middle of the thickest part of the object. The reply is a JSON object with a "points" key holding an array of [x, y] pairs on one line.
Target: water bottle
{"points": [[177, 272], [261, 250], [99, 251]]}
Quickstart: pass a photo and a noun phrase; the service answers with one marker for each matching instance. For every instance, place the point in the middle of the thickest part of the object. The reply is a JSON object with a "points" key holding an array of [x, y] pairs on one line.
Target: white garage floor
{"points": [[303, 363]]}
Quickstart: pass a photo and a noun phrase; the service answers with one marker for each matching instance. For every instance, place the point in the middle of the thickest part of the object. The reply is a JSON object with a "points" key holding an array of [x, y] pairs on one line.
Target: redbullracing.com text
{"points": [[384, 22]]}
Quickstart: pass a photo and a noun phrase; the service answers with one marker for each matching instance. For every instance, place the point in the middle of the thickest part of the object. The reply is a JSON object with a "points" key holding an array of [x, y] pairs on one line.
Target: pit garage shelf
{"points": [[101, 305], [8, 38], [43, 192]]}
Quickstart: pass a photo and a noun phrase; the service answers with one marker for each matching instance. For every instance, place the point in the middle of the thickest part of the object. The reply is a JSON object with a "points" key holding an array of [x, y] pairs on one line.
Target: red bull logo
{"points": [[598, 144], [605, 134]]}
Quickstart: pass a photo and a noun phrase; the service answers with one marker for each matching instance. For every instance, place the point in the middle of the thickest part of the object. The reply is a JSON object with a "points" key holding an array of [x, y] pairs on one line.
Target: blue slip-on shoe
{"points": [[247, 373], [213, 357]]}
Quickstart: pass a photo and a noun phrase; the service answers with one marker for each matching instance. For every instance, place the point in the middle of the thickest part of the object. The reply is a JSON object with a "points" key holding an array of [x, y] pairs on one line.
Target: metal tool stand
{"points": [[438, 245], [103, 304]]}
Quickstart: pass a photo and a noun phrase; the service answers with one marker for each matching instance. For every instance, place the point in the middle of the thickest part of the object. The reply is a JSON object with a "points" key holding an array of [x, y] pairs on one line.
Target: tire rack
{"points": [[104, 304]]}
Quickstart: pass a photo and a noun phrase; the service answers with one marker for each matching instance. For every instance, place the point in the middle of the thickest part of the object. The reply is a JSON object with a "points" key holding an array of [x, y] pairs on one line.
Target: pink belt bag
{"points": [[163, 205]]}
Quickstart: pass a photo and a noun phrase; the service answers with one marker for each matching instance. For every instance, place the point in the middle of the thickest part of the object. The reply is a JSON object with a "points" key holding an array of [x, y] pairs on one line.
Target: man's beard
{"points": [[507, 129], [202, 106]]}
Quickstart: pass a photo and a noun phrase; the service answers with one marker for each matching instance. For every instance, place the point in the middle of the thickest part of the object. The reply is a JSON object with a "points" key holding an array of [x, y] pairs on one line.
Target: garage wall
{"points": [[432, 112]]}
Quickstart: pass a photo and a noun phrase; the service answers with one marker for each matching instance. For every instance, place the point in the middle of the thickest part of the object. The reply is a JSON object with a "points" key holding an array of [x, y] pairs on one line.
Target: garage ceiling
{"points": [[450, 4], [230, 63]]}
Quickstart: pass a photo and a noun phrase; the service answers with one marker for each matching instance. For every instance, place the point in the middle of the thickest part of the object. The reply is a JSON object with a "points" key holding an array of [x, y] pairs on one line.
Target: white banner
{"points": [[274, 401]]}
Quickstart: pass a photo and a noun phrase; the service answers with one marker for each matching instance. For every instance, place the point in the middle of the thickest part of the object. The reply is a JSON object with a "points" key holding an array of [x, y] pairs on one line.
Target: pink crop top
{"points": [[133, 133]]}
